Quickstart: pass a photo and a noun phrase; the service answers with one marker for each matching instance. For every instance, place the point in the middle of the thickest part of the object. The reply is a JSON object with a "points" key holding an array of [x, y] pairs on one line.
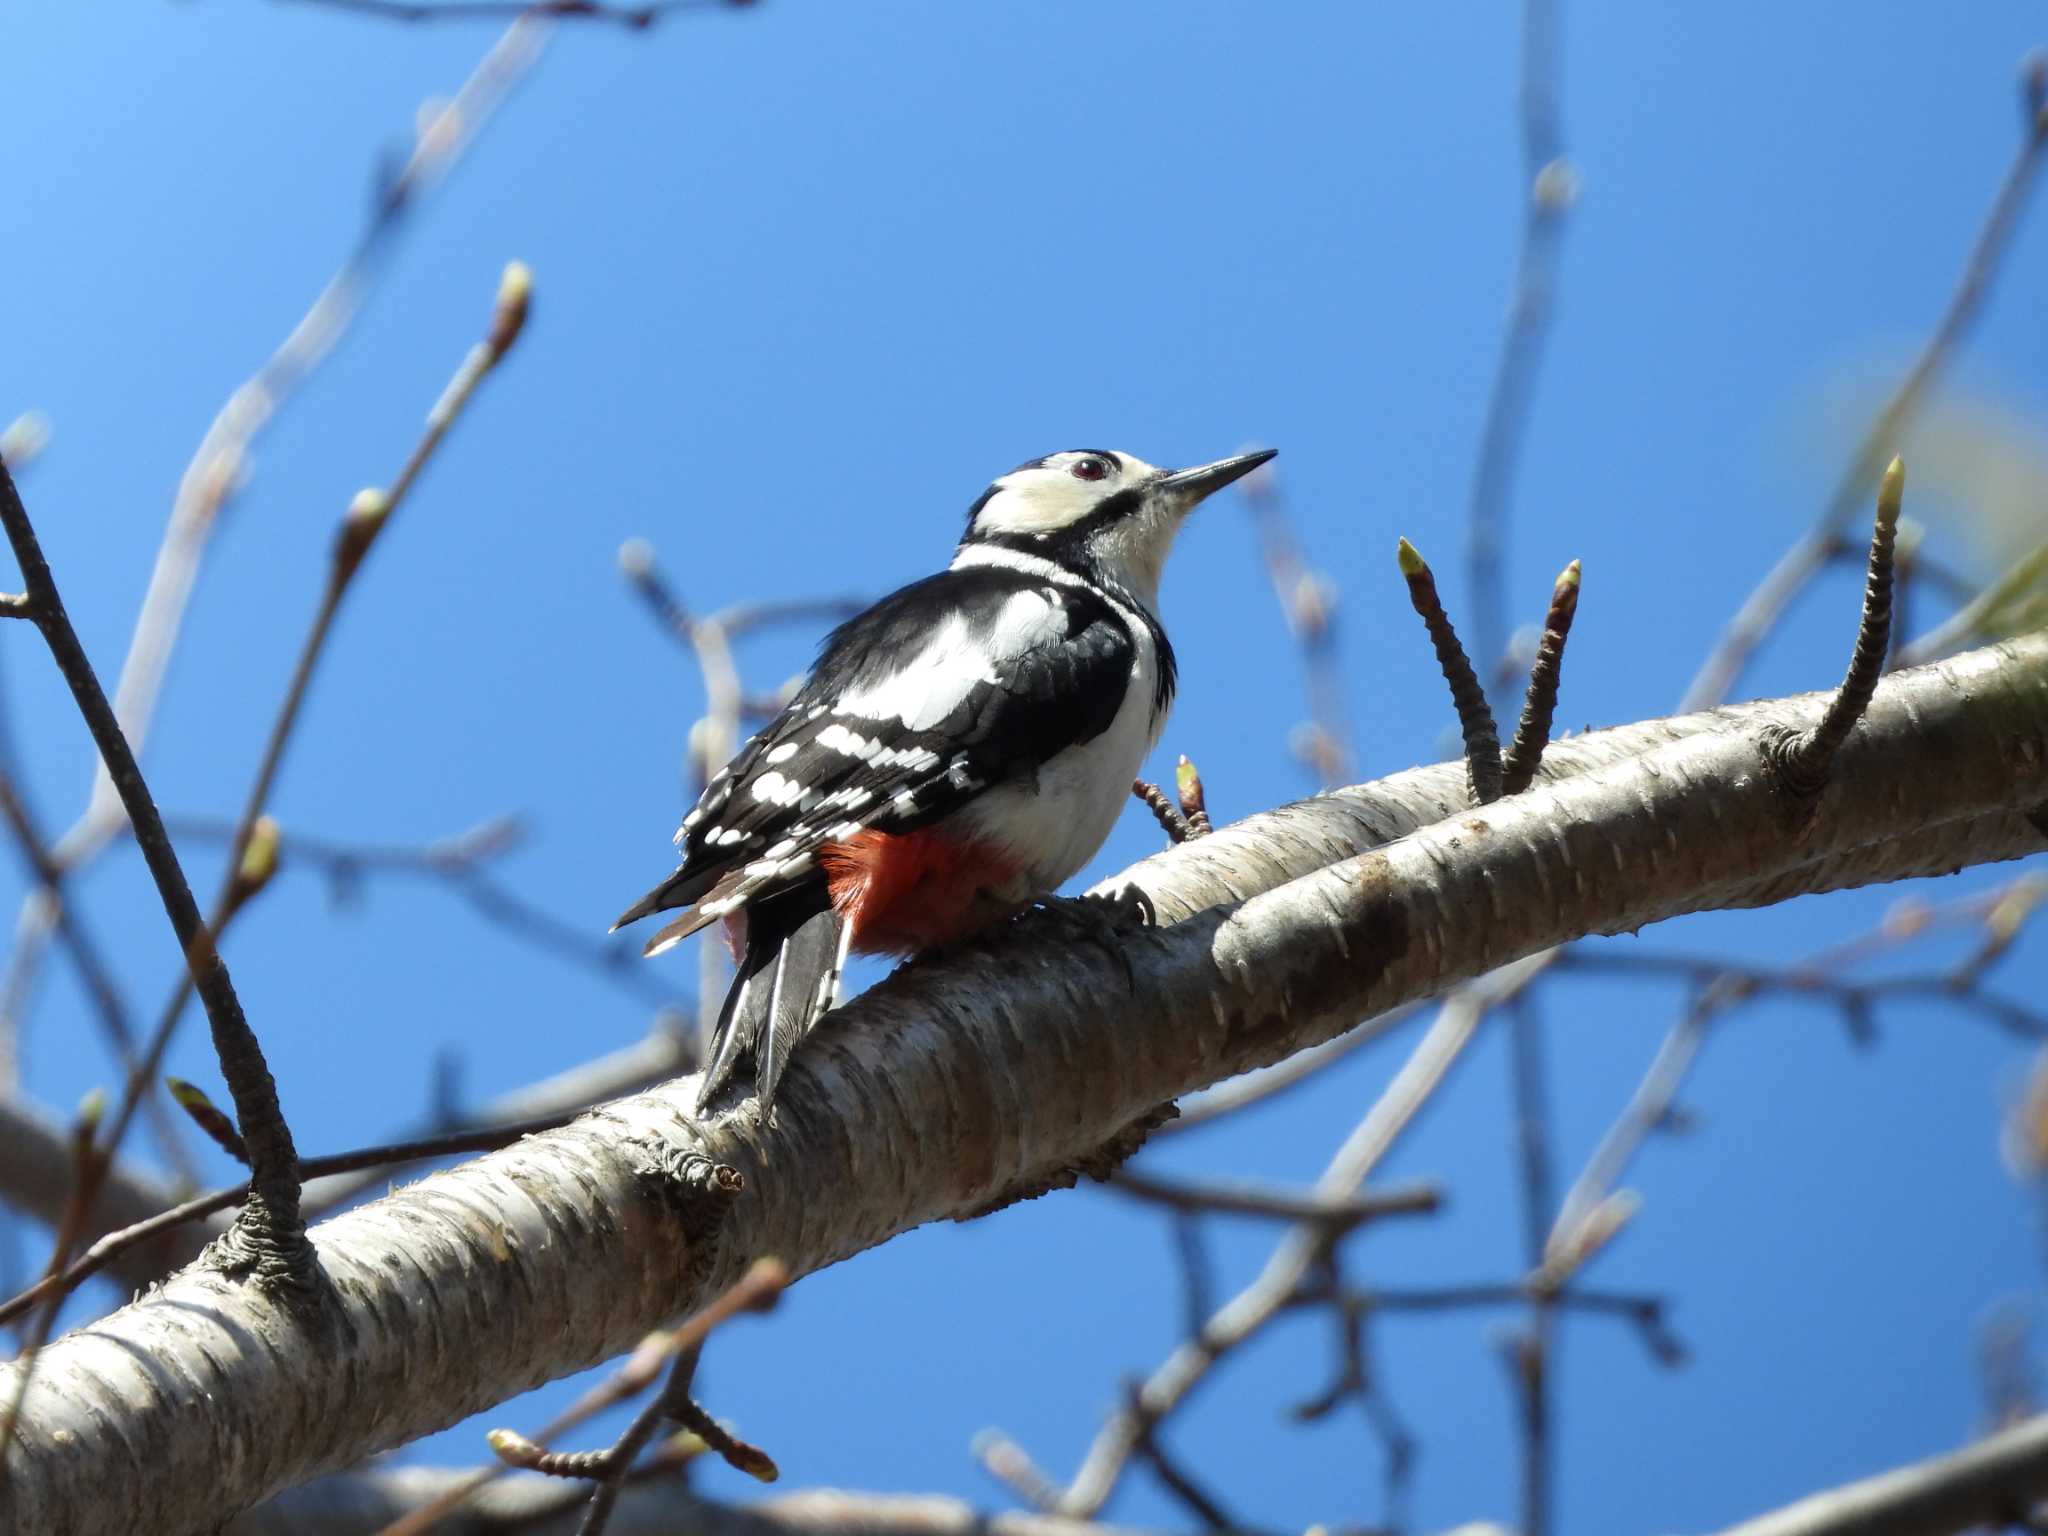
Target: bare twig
{"points": [[752, 1292], [270, 1236], [1308, 601], [1475, 717], [1256, 1087], [1801, 760], [1336, 1214], [461, 862], [1552, 186], [1761, 610], [218, 466], [70, 926], [1250, 1310], [1530, 1353], [252, 852], [207, 1115], [1163, 810], [1177, 1480], [1525, 754]]}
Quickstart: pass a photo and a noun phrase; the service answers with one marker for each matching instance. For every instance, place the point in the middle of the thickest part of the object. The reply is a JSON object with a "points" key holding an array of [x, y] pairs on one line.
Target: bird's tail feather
{"points": [[788, 979]]}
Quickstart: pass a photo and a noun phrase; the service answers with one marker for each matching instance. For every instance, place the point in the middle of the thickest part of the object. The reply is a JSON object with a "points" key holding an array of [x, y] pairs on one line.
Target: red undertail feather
{"points": [[902, 893]]}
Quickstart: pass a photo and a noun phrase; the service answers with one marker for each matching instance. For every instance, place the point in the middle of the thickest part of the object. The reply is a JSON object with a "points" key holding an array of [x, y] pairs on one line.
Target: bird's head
{"points": [[1095, 511]]}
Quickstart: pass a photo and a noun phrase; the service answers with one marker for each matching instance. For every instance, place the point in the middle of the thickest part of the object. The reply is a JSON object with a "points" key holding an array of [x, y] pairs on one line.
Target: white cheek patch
{"points": [[1038, 501]]}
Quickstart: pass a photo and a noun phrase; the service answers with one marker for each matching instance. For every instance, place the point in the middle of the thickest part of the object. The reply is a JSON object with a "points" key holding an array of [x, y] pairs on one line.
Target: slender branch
{"points": [[270, 1237], [1551, 188], [1532, 1364], [1990, 1484], [220, 464], [108, 1005], [754, 1291], [1163, 810], [249, 865], [1525, 754], [1762, 609], [1335, 1214], [1978, 614], [459, 862], [1308, 601], [1801, 761], [1475, 716], [1256, 1087], [36, 1161]]}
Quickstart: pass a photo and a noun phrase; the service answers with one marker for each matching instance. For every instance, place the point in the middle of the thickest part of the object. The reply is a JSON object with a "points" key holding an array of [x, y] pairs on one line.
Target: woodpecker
{"points": [[959, 750]]}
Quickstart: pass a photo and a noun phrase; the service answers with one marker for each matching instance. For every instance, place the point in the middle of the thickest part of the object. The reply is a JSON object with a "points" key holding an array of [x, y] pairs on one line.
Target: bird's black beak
{"points": [[1189, 487]]}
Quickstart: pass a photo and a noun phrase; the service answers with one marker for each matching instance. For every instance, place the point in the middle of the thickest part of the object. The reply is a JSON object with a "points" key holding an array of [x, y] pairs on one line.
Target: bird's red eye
{"points": [[1090, 469]]}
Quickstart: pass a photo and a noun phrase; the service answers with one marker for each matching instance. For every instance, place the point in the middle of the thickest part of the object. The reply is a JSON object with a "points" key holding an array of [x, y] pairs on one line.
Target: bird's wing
{"points": [[918, 705]]}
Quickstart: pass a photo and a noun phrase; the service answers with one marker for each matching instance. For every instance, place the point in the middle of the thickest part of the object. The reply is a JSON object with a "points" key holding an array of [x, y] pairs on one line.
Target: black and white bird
{"points": [[960, 749]]}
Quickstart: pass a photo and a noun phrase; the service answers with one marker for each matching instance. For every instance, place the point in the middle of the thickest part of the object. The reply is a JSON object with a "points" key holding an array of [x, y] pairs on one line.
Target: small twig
{"points": [[1170, 820], [1550, 189], [1475, 717], [1197, 1271], [460, 862], [270, 1235], [1227, 1098], [1978, 615], [1802, 759], [1177, 1481], [1336, 1214], [1645, 1312], [1761, 610], [207, 1115], [615, 1462], [92, 968], [1531, 1351], [1647, 1110], [1308, 602], [754, 1291], [1194, 800], [727, 1446], [1525, 754], [252, 851]]}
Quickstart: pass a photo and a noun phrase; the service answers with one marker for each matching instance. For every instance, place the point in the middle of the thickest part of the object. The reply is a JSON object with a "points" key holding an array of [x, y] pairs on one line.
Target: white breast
{"points": [[1052, 822]]}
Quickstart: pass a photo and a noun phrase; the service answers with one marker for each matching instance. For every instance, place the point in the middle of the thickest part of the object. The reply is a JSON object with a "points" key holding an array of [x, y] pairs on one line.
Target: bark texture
{"points": [[995, 1069]]}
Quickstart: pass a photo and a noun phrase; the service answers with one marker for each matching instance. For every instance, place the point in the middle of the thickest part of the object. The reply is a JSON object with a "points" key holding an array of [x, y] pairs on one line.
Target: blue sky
{"points": [[809, 275]]}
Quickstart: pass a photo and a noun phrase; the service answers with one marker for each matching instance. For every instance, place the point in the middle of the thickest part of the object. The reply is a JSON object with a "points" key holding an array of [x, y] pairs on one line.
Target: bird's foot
{"points": [[1111, 914], [1106, 921]]}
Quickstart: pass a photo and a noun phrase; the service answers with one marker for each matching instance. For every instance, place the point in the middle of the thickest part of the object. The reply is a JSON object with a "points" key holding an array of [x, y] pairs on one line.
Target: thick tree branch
{"points": [[962, 1078]]}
